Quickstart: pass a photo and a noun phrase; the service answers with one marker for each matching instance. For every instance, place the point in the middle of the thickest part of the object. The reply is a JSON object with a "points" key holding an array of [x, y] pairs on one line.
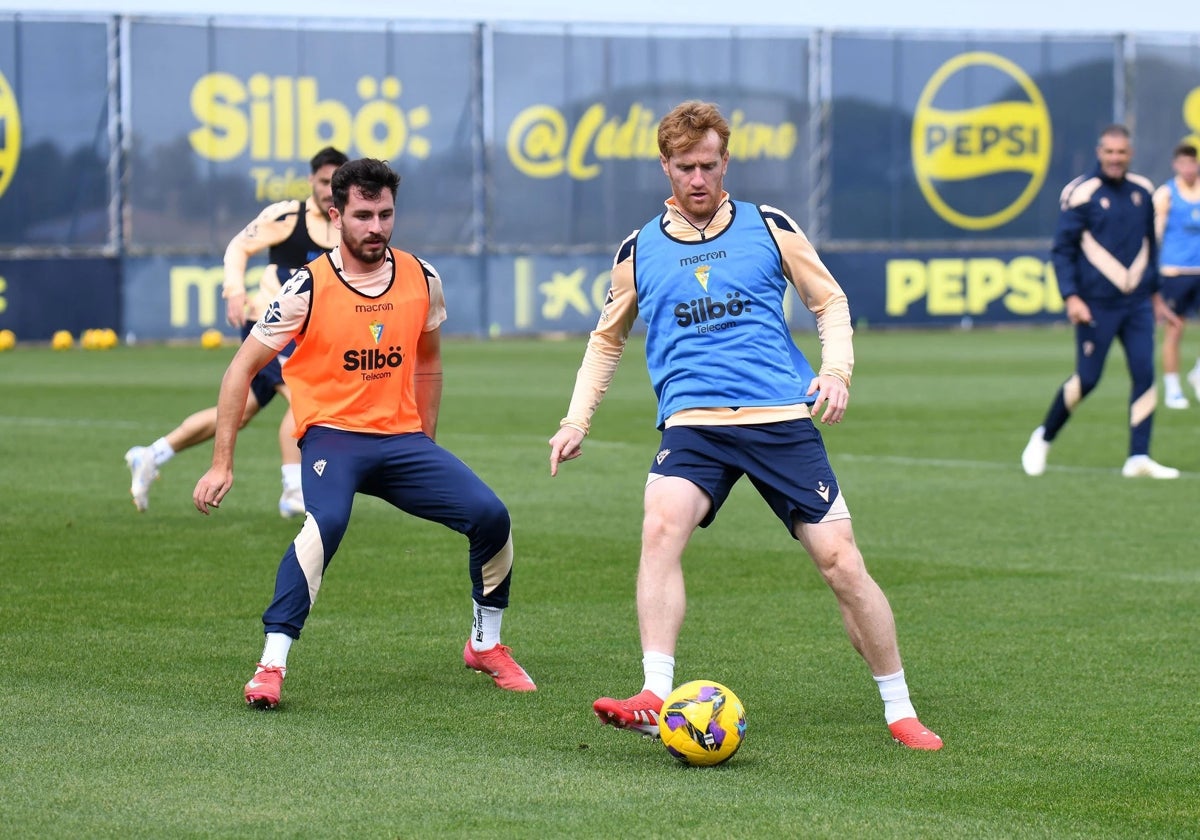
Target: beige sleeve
{"points": [[605, 344], [272, 226], [819, 292]]}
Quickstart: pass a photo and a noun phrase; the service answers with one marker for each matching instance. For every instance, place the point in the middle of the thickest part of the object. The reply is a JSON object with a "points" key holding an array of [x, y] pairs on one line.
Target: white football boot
{"points": [[143, 471], [1143, 466], [1033, 459]]}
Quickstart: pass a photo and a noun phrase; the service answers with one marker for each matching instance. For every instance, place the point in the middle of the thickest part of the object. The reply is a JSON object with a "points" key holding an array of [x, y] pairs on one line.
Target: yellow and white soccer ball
{"points": [[211, 339], [62, 340], [8, 340], [702, 723]]}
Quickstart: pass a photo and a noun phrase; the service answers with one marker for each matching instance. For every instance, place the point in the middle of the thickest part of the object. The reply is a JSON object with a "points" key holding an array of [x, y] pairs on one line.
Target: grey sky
{"points": [[1158, 16]]}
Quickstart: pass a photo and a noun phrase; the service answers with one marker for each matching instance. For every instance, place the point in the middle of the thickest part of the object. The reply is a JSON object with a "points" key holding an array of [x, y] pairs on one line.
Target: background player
{"points": [[292, 232], [1177, 223]]}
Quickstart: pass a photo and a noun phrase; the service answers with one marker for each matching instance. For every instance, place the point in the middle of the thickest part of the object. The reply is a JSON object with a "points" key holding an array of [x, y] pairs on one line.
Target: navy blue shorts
{"points": [[786, 462], [265, 384], [1181, 293]]}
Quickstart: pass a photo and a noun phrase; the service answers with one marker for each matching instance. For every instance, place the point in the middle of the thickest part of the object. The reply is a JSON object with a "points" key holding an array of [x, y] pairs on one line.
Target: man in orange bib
{"points": [[366, 383]]}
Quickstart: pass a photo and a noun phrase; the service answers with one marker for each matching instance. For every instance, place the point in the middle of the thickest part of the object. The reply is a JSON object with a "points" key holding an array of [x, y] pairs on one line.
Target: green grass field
{"points": [[1049, 626]]}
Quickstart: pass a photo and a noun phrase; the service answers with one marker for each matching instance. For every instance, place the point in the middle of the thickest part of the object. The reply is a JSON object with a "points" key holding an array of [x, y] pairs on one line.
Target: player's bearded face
{"points": [[697, 177], [367, 226]]}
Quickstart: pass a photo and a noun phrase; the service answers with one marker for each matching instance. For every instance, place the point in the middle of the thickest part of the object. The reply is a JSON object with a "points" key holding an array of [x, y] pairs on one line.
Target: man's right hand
{"points": [[211, 489], [566, 445], [1078, 312]]}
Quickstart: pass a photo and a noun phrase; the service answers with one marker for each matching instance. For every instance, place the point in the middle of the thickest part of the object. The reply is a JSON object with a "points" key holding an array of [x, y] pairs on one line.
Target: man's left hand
{"points": [[832, 397]]}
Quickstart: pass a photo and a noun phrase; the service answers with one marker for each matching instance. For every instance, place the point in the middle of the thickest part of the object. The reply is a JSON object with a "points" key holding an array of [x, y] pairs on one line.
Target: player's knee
{"points": [[661, 527], [491, 515], [842, 566]]}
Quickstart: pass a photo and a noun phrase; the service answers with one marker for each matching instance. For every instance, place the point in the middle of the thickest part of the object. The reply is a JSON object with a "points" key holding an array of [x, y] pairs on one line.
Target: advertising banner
{"points": [[179, 297], [944, 288], [547, 293], [57, 159], [38, 297], [224, 119], [1166, 99], [943, 139], [925, 167], [573, 149]]}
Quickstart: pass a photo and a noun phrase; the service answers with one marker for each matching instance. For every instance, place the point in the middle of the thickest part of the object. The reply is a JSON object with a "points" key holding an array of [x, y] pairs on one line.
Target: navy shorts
{"points": [[267, 381], [786, 462], [1181, 293]]}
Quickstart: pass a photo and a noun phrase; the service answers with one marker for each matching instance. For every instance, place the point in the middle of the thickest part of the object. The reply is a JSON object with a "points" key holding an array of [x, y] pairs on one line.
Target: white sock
{"points": [[1171, 383], [162, 451], [275, 651], [485, 626], [894, 691], [660, 672], [291, 476]]}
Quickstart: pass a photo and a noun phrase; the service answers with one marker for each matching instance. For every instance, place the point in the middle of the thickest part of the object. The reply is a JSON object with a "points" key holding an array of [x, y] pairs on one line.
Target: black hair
{"points": [[371, 176], [327, 156]]}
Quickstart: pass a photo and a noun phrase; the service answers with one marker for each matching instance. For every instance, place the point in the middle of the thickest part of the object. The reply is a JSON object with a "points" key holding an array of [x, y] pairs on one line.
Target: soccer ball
{"points": [[211, 339], [62, 340], [8, 340], [702, 723]]}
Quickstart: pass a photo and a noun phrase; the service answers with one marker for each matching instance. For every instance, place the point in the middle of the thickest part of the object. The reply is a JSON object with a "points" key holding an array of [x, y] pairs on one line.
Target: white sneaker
{"points": [[1033, 459], [1176, 401], [1143, 466], [1193, 378], [291, 503], [140, 460]]}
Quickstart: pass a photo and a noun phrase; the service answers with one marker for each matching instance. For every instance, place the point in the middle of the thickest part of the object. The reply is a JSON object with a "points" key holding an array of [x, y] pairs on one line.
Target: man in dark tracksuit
{"points": [[1106, 260]]}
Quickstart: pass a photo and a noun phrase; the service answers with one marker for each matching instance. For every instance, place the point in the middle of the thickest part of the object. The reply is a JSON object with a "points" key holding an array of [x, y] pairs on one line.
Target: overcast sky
{"points": [[1158, 16]]}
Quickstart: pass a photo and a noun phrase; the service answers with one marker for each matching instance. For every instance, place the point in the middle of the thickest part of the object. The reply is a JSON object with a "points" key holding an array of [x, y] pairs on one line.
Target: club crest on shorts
{"points": [[661, 456]]}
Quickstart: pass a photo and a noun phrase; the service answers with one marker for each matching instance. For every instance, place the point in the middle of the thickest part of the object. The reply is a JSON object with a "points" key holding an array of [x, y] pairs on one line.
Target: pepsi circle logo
{"points": [[10, 134], [981, 165]]}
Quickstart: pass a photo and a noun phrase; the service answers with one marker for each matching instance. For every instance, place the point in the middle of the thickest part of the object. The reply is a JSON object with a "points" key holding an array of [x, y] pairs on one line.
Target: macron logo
{"points": [[823, 491]]}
